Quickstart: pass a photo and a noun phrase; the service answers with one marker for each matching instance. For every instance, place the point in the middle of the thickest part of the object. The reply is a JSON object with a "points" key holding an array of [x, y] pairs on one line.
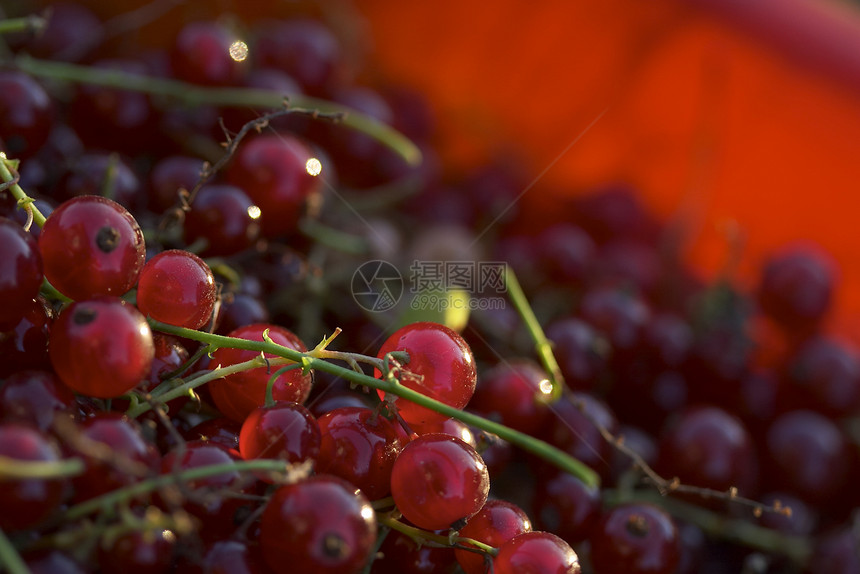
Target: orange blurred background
{"points": [[723, 113]]}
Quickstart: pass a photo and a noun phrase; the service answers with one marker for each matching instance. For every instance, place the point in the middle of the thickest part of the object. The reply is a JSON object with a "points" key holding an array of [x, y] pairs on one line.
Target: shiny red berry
{"points": [[92, 246], [538, 552], [359, 445], [240, 393], [286, 431], [440, 366], [102, 347], [439, 481], [322, 524], [177, 287], [496, 523]]}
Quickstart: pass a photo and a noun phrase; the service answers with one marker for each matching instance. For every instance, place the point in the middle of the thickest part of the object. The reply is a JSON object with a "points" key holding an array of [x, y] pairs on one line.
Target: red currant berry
{"points": [[304, 49], [26, 114], [177, 287], [225, 217], [35, 398], [20, 272], [439, 481], [637, 539], [272, 170], [440, 366], [131, 457], [25, 345], [566, 506], [286, 431], [102, 347], [209, 499], [322, 524], [220, 430], [92, 246], [400, 554], [797, 286], [138, 552], [496, 523], [168, 176], [515, 393], [708, 447], [240, 393], [27, 501], [537, 552], [360, 446], [201, 55]]}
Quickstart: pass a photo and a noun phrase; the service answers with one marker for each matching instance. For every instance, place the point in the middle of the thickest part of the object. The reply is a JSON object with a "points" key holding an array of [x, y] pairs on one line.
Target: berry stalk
{"points": [[309, 361]]}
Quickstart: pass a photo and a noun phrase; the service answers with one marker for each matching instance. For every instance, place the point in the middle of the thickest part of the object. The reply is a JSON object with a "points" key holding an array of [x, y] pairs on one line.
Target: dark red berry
{"points": [[26, 114], [271, 169], [566, 506], [225, 218], [322, 524], [797, 286], [635, 539], [201, 55], [285, 431], [304, 49], [515, 393], [27, 501], [35, 398], [20, 272]]}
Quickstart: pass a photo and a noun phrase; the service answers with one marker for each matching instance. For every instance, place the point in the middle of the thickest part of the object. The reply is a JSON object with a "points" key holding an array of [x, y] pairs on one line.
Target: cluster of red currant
{"points": [[156, 416]]}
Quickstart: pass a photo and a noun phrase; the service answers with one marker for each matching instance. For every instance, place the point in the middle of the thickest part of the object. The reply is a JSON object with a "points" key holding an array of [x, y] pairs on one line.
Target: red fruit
{"points": [[26, 114], [92, 246], [34, 398], [439, 481], [20, 272], [177, 287], [201, 55], [28, 501], [538, 552], [496, 523], [440, 366], [102, 347], [797, 286], [566, 506], [635, 539], [271, 169], [225, 217], [514, 393], [240, 393], [286, 431], [360, 446], [322, 524]]}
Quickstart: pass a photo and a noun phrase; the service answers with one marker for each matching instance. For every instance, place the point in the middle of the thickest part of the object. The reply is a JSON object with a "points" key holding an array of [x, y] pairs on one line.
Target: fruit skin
{"points": [[536, 553], [27, 502], [496, 523], [439, 481], [240, 393], [92, 246], [20, 272], [177, 287], [635, 538], [271, 170], [440, 366], [101, 347], [286, 431], [322, 525]]}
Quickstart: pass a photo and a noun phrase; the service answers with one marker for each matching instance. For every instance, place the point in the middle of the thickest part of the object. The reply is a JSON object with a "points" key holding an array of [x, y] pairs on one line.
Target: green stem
{"points": [[203, 378], [17, 192], [113, 498], [15, 469], [543, 347], [200, 96], [31, 23], [538, 447], [418, 534], [10, 558]]}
